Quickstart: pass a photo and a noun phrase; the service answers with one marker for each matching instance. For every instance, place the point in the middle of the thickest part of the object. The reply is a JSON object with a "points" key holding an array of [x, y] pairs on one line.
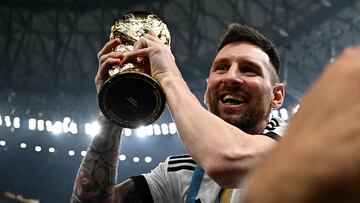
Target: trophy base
{"points": [[131, 99]]}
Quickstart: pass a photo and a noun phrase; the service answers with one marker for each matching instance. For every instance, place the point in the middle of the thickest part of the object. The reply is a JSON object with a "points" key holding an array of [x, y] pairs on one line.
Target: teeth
{"points": [[233, 98]]}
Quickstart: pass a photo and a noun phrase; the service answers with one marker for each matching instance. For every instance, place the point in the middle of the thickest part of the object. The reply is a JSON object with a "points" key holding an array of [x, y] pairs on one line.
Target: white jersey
{"points": [[170, 180]]}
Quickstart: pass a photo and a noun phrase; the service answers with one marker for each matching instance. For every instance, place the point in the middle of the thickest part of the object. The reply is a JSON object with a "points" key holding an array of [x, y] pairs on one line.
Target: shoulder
{"points": [[275, 122], [180, 162], [275, 127], [169, 180], [172, 168]]}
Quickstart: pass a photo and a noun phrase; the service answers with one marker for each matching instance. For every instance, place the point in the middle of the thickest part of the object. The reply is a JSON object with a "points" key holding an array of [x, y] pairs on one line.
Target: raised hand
{"points": [[107, 59], [156, 54]]}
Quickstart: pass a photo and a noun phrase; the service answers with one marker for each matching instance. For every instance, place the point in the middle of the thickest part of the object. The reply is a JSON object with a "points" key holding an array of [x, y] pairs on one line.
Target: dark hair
{"points": [[243, 33]]}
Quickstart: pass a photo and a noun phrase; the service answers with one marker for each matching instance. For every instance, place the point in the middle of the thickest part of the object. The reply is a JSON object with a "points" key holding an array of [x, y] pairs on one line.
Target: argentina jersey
{"points": [[170, 181]]}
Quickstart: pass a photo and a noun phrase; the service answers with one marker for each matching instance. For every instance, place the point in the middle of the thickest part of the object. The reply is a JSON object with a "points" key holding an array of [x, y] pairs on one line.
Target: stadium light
{"points": [[122, 157], [66, 120], [7, 121], [16, 122], [23, 145], [157, 130], [284, 113], [83, 153], [48, 125], [148, 159], [65, 128], [127, 132], [40, 125], [73, 128], [38, 148], [144, 131], [57, 128], [164, 128], [136, 159], [71, 153], [92, 129], [172, 128], [2, 143], [275, 113], [296, 108], [32, 124], [140, 132], [67, 125], [51, 149]]}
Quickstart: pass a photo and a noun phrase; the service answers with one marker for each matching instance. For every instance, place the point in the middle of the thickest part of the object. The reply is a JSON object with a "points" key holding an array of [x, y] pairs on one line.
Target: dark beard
{"points": [[248, 122]]}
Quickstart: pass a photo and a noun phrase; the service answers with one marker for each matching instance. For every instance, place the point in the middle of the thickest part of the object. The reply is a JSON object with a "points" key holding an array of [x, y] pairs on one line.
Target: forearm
{"points": [[96, 178], [222, 149], [191, 118]]}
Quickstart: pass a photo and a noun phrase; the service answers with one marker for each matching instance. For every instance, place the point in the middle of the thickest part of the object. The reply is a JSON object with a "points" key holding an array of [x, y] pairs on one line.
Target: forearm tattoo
{"points": [[96, 178]]}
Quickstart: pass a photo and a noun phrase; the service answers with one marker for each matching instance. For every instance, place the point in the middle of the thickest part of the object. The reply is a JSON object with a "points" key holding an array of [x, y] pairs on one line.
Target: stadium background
{"points": [[48, 62]]}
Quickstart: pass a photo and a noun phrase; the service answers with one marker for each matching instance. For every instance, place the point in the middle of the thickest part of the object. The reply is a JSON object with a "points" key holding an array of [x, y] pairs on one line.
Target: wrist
{"points": [[171, 81], [108, 126]]}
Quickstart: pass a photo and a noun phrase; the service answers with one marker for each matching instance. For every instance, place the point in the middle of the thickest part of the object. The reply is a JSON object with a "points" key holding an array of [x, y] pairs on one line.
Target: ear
{"points": [[278, 95]]}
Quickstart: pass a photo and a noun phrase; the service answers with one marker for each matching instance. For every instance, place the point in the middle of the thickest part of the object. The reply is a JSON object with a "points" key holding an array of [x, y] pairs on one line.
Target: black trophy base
{"points": [[131, 99]]}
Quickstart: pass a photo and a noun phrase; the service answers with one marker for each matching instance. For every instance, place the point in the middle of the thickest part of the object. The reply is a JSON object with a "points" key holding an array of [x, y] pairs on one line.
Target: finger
{"points": [[141, 43], [103, 71], [152, 33], [108, 47], [104, 68], [131, 57], [147, 41], [113, 54]]}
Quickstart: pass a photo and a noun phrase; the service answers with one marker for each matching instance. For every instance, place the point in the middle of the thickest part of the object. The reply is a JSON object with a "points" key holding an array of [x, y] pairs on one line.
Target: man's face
{"points": [[238, 88]]}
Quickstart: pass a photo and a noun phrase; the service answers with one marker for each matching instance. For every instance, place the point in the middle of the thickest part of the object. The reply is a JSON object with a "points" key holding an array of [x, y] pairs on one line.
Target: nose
{"points": [[233, 76]]}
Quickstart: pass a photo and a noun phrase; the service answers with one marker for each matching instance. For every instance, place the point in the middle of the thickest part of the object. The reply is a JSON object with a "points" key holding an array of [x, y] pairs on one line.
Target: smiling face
{"points": [[239, 88]]}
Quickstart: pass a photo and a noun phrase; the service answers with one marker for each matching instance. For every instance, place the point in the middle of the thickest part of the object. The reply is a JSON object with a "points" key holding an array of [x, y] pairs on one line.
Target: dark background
{"points": [[48, 63]]}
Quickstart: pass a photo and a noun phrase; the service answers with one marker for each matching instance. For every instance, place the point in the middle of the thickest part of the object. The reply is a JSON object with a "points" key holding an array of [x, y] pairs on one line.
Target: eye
{"points": [[220, 68], [249, 70]]}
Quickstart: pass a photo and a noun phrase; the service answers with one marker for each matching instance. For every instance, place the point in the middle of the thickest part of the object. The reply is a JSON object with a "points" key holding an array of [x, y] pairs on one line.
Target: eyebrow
{"points": [[250, 61], [221, 60], [240, 60]]}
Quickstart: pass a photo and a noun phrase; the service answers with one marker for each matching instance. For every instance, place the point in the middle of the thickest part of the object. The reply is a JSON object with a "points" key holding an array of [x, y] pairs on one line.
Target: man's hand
{"points": [[156, 54], [107, 59]]}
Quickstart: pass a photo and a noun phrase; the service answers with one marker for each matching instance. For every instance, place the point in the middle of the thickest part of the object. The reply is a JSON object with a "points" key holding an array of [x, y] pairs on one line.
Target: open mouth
{"points": [[232, 99]]}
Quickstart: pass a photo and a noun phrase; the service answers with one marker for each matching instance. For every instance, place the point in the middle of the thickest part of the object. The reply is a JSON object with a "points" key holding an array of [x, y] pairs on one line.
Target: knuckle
{"points": [[102, 58], [99, 55], [105, 64]]}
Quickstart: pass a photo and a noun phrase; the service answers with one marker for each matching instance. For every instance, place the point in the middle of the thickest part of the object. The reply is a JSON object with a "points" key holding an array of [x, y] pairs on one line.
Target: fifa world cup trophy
{"points": [[131, 97]]}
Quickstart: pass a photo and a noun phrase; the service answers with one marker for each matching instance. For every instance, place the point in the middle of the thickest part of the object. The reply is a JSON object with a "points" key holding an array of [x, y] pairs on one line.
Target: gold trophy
{"points": [[131, 97]]}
